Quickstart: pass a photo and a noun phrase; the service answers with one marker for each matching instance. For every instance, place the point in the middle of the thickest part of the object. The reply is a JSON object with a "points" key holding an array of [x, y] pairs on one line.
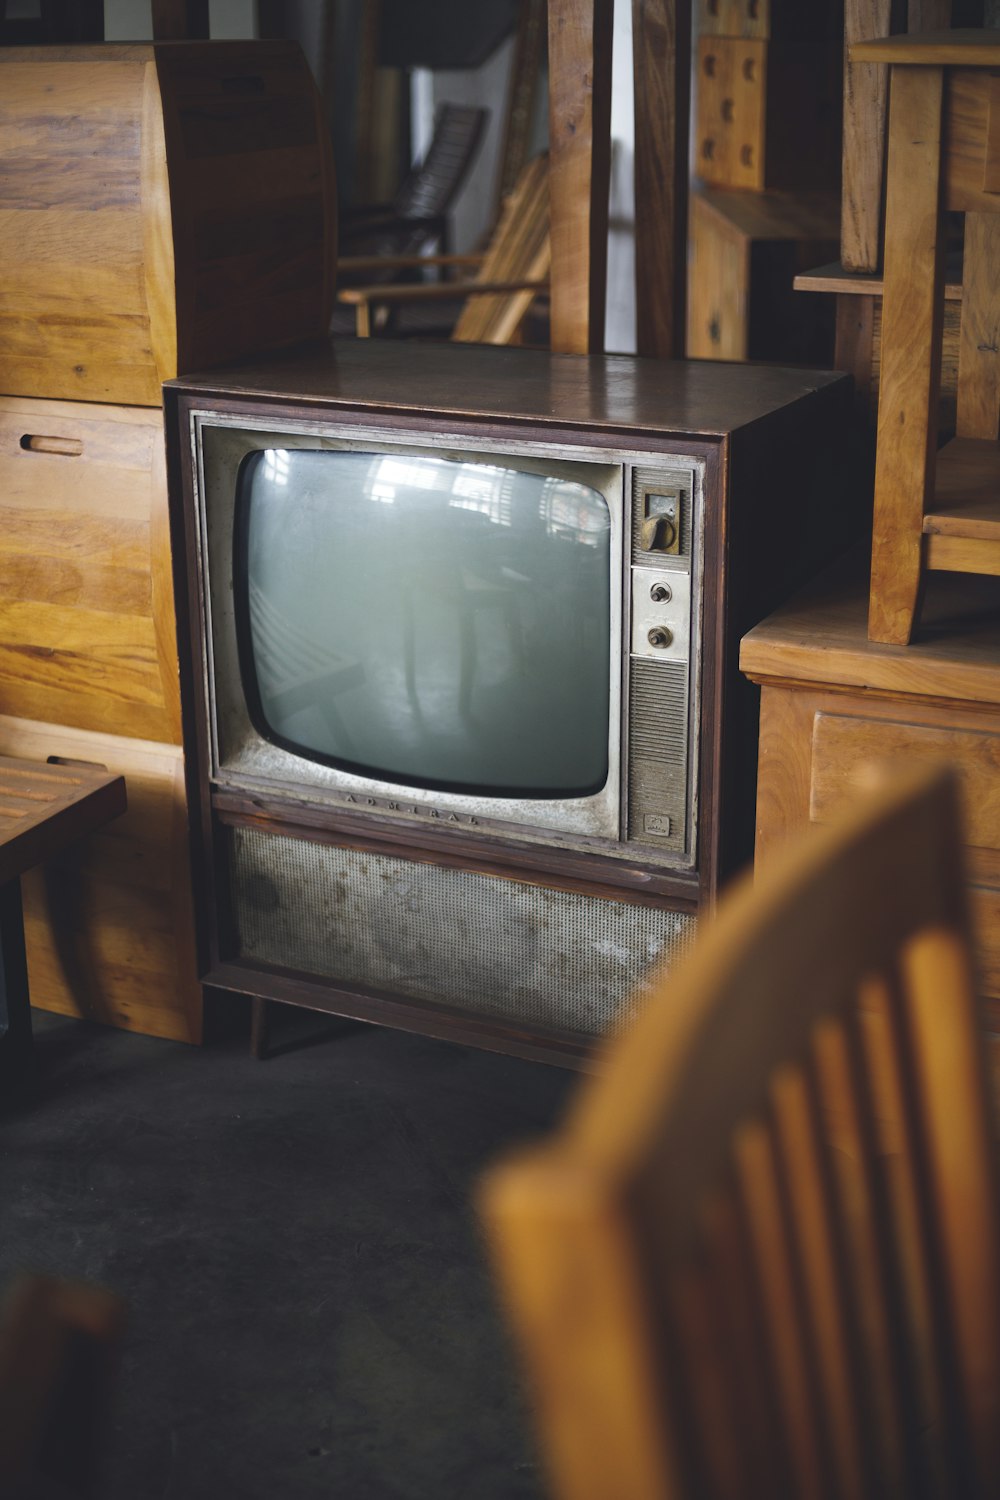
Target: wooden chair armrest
{"points": [[403, 262], [361, 298]]}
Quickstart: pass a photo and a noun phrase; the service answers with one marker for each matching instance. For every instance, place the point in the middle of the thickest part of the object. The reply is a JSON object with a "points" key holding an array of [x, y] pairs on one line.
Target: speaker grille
{"points": [[658, 753], [487, 946]]}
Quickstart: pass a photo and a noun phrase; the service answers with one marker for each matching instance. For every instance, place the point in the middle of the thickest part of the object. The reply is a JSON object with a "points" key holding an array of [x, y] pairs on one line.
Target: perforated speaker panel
{"points": [[487, 946]]}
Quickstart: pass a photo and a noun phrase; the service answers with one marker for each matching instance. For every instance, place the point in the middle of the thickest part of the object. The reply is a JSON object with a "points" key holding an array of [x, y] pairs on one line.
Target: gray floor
{"points": [[311, 1313]]}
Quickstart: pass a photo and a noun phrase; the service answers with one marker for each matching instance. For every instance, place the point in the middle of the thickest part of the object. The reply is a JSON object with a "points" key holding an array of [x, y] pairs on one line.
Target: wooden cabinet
{"points": [[87, 634], [834, 704], [88, 671], [162, 207]]}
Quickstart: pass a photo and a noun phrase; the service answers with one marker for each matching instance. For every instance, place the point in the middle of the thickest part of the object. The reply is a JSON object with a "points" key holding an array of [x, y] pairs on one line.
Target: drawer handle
{"points": [[34, 442]]}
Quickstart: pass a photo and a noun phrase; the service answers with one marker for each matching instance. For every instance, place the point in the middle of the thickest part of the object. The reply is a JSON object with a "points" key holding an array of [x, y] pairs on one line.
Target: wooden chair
{"points": [[419, 210], [510, 274], [59, 1343], [762, 1258], [936, 510]]}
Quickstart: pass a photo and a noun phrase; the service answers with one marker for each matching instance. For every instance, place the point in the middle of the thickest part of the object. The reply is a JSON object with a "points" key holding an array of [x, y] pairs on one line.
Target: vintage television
{"points": [[459, 633]]}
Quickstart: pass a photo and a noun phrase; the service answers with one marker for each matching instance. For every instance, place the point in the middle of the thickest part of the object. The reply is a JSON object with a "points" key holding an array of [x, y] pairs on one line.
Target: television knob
{"points": [[661, 593], [660, 636]]}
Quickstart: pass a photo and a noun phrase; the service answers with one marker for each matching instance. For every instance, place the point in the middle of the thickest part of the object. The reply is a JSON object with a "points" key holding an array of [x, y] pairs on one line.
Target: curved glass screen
{"points": [[426, 621]]}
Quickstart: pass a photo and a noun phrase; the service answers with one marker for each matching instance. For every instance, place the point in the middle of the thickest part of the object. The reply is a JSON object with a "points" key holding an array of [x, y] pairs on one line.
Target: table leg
{"points": [[17, 1062]]}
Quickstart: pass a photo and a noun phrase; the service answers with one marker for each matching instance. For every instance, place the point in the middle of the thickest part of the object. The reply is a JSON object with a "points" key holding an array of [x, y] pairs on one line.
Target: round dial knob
{"points": [[660, 636], [661, 593]]}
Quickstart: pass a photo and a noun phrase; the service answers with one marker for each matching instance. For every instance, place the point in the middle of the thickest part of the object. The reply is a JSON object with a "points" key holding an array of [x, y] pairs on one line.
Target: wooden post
{"points": [[179, 20], [661, 52], [580, 159], [865, 94], [909, 384]]}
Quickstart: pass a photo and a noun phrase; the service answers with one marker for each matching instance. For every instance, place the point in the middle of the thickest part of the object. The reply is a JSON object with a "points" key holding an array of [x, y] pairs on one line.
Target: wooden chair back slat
{"points": [[519, 251], [770, 1230]]}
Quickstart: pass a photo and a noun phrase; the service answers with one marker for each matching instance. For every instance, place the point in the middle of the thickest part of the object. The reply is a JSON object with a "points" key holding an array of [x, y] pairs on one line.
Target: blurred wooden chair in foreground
{"points": [[762, 1257], [59, 1344], [509, 275]]}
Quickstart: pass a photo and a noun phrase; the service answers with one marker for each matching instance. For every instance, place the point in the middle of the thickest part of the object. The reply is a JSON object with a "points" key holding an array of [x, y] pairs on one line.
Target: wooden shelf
{"points": [[833, 278], [963, 47], [962, 526]]}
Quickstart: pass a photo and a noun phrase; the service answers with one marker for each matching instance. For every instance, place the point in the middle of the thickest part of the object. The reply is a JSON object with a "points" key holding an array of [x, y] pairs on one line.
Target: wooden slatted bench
{"points": [[43, 807]]}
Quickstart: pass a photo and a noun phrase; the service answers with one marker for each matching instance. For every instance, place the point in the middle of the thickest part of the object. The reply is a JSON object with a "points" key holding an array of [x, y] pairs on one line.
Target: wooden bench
{"points": [[43, 807]]}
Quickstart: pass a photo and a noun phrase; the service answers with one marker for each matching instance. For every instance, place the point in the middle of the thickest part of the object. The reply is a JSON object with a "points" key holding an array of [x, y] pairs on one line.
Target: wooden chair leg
{"points": [[912, 309]]}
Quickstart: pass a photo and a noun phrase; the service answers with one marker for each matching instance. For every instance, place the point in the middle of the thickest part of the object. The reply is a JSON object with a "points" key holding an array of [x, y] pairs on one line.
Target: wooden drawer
{"points": [[87, 632], [109, 923], [845, 746]]}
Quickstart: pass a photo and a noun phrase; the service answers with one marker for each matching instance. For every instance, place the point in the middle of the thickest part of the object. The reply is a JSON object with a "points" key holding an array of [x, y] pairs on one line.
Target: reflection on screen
{"points": [[427, 621]]}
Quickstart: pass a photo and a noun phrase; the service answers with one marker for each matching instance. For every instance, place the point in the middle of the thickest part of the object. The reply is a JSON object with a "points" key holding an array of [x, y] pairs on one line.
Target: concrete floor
{"points": [[310, 1309]]}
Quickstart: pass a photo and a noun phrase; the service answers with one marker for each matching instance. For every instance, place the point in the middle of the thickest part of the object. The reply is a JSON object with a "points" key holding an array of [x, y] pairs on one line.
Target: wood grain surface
{"points": [[661, 65], [109, 923], [866, 92], [87, 630], [820, 638], [979, 346], [960, 47], [580, 163], [911, 349], [43, 808], [161, 207]]}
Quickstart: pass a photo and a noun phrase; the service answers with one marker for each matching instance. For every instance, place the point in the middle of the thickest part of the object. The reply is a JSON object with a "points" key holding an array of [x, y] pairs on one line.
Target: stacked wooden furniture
{"points": [[163, 207], [832, 702], [766, 150]]}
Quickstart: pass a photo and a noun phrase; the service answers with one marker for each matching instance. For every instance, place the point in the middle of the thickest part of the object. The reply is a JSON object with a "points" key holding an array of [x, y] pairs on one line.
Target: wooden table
{"points": [[832, 702], [42, 808]]}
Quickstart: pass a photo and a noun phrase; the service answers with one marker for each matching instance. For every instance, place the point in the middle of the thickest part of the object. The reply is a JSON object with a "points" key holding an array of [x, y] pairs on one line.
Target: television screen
{"points": [[428, 621]]}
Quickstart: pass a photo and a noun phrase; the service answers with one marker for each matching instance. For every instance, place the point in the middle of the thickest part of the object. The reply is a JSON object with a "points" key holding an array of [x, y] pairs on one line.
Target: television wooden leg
{"points": [[258, 1027]]}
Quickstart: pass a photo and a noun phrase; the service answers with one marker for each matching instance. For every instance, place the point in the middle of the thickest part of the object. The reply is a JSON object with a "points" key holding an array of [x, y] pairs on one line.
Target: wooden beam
{"points": [[661, 53], [580, 34], [865, 94], [909, 386], [179, 20]]}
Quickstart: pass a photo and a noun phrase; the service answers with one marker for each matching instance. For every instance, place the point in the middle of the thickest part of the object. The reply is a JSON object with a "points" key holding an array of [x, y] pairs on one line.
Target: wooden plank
{"points": [[580, 33], [820, 639], [661, 53], [967, 491], [911, 334], [845, 745], [967, 119], [962, 47], [991, 171], [963, 555], [979, 340], [835, 278], [87, 603], [731, 109], [719, 286], [866, 88]]}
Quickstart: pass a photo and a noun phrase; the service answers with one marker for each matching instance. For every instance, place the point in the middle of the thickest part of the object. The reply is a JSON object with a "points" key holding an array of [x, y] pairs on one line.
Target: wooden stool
{"points": [[944, 154], [42, 808]]}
